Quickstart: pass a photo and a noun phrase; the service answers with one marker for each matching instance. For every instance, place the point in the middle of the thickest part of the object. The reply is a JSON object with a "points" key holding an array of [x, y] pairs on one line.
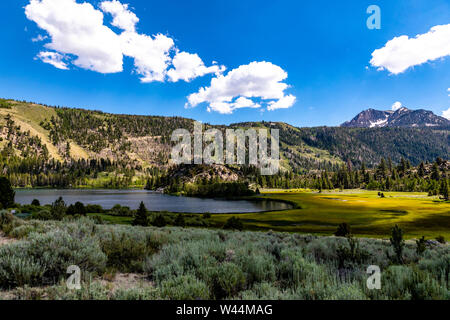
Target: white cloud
{"points": [[40, 37], [284, 103], [188, 66], [77, 32], [403, 52], [257, 80], [397, 105], [151, 54], [122, 17], [448, 90], [78, 36], [446, 114], [53, 58], [77, 29], [229, 107]]}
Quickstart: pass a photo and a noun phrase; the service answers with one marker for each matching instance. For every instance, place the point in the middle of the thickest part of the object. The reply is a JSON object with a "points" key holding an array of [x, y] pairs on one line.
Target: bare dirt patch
{"points": [[126, 281]]}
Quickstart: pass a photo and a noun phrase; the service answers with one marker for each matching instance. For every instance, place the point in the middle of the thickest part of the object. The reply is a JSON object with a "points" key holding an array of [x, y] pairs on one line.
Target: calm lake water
{"points": [[153, 201]]}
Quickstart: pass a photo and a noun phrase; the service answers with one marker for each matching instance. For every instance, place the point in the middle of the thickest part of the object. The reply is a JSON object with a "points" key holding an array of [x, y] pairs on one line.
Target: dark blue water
{"points": [[153, 201]]}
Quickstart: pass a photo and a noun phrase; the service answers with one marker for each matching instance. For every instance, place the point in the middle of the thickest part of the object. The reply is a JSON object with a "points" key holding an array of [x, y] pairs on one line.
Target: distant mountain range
{"points": [[32, 132], [402, 117]]}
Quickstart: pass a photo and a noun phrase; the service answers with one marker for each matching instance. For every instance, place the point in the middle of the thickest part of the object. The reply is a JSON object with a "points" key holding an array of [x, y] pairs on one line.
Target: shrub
{"points": [[206, 215], [44, 258], [264, 291], [8, 222], [421, 245], [77, 208], [347, 292], [124, 253], [257, 266], [226, 280], [343, 230], [17, 268], [186, 287], [293, 268], [397, 243], [94, 208], [144, 293], [400, 282], [351, 254], [35, 202], [437, 263], [42, 215], [179, 221], [121, 211], [159, 221], [234, 223], [440, 239], [97, 219], [5, 218], [22, 231]]}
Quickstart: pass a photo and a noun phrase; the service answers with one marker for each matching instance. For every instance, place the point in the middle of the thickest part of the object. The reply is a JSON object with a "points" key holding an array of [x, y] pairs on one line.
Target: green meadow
{"points": [[368, 214]]}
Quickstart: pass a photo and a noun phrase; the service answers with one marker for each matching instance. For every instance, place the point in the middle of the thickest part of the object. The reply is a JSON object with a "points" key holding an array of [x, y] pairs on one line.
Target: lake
{"points": [[153, 201]]}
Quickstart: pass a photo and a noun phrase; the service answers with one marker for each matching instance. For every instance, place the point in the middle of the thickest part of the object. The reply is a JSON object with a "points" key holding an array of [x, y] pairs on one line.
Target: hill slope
{"points": [[136, 142]]}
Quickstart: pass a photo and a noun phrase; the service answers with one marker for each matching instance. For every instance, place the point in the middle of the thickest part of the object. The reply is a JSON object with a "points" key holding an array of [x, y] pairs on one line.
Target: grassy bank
{"points": [[368, 214], [182, 263]]}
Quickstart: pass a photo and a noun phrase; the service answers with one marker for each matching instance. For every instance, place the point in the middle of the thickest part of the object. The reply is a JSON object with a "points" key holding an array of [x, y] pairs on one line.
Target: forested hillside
{"points": [[55, 146]]}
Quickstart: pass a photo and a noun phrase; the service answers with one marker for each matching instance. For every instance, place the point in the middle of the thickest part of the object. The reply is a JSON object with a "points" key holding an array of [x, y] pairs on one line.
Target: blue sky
{"points": [[323, 47]]}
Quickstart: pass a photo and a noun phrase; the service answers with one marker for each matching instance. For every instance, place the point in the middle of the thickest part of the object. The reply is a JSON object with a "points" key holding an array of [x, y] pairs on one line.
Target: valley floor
{"points": [[366, 212]]}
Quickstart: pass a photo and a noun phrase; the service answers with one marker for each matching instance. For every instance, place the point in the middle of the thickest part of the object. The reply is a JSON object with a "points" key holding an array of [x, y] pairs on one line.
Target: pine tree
{"points": [[435, 172], [68, 149], [58, 209], [141, 217], [444, 190], [381, 170], [7, 193], [421, 170], [397, 243], [402, 166]]}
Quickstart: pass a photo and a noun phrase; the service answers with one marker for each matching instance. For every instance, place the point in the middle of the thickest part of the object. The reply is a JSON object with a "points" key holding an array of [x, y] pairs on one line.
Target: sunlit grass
{"points": [[367, 213]]}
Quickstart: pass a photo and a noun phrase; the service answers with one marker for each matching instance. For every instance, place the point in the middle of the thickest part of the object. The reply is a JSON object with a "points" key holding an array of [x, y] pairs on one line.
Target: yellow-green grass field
{"points": [[368, 214]]}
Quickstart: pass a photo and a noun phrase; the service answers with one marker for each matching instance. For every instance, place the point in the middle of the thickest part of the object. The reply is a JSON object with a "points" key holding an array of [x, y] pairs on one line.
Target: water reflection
{"points": [[153, 201]]}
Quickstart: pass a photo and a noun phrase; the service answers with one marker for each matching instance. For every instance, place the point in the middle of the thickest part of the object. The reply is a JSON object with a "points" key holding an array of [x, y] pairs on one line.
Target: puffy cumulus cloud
{"points": [[122, 17], [77, 29], [151, 54], [188, 66], [397, 105], [229, 107], [78, 33], [403, 52], [446, 114], [284, 103], [53, 58], [241, 86]]}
